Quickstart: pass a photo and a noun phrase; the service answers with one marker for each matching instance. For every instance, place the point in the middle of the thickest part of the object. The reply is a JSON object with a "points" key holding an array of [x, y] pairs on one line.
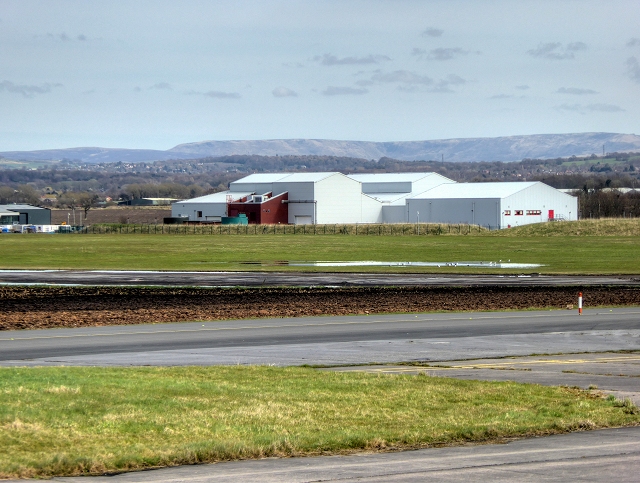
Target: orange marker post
{"points": [[580, 303]]}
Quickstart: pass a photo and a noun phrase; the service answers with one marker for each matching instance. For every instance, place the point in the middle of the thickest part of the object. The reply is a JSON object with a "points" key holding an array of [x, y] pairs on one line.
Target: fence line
{"points": [[406, 229]]}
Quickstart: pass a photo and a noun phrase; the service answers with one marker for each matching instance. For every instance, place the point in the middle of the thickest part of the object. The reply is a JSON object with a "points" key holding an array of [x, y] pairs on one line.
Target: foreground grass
{"points": [[560, 254], [64, 421]]}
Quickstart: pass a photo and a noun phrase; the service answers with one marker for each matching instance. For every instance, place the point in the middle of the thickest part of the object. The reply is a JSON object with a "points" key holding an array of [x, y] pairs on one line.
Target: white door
{"points": [[302, 220]]}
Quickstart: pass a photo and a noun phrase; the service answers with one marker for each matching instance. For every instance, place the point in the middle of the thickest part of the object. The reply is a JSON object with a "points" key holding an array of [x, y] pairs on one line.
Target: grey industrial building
{"points": [[24, 215], [327, 198]]}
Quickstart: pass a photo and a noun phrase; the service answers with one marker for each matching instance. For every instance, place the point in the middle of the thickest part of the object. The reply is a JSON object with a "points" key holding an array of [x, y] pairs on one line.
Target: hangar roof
{"points": [[282, 177], [19, 207], [389, 177], [306, 177], [220, 197], [262, 178], [476, 190]]}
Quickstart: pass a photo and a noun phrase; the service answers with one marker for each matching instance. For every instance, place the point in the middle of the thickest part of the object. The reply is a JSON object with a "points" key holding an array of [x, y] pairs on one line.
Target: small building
{"points": [[495, 205], [24, 215]]}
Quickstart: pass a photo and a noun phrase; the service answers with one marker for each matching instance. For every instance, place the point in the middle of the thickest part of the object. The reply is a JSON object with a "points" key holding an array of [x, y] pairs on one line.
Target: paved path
{"points": [[597, 456], [294, 279]]}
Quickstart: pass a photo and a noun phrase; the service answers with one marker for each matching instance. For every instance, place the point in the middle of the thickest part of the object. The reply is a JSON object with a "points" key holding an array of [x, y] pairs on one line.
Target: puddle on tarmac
{"points": [[499, 264]]}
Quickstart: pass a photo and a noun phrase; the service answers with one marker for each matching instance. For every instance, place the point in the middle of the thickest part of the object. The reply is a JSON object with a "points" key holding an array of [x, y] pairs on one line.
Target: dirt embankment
{"points": [[37, 308]]}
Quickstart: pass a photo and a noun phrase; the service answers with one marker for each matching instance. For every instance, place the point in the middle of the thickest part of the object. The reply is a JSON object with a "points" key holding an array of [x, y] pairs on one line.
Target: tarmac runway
{"points": [[596, 456], [294, 279], [329, 340]]}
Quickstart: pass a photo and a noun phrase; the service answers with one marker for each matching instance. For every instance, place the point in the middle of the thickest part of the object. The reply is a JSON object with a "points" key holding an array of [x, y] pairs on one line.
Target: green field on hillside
{"points": [[64, 421], [603, 247]]}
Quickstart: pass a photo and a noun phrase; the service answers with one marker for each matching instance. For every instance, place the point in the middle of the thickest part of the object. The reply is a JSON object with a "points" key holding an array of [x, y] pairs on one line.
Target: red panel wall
{"points": [[271, 212]]}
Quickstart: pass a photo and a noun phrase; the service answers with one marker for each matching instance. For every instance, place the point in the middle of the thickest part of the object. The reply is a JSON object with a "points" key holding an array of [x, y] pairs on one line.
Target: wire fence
{"points": [[334, 229]]}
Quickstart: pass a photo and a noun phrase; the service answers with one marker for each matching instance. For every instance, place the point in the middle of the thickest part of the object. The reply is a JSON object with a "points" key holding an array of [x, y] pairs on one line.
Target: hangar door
{"points": [[302, 220]]}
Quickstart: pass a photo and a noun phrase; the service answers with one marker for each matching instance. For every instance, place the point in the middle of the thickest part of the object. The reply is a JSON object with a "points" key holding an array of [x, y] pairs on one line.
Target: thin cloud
{"points": [[604, 108], [331, 60], [343, 91], [432, 32], [634, 42], [556, 51], [410, 81], [26, 90], [447, 53], [576, 46], [590, 107], [296, 65], [162, 86], [523, 87], [284, 92], [441, 53], [402, 77], [576, 91], [502, 96], [633, 69], [66, 38], [215, 94]]}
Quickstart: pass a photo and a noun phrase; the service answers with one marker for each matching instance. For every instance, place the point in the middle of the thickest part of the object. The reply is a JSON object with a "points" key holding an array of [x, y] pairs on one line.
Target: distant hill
{"points": [[508, 148]]}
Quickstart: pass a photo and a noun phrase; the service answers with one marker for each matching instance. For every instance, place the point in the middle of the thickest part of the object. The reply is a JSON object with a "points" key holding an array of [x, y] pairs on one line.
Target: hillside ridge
{"points": [[505, 148]]}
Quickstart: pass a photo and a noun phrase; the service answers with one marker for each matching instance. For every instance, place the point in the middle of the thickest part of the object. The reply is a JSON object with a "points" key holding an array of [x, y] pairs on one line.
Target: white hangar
{"points": [[496, 205], [393, 189], [328, 198], [308, 198]]}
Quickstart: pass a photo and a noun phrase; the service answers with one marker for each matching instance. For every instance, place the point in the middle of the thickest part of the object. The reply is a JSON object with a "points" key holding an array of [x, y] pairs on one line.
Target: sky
{"points": [[154, 74]]}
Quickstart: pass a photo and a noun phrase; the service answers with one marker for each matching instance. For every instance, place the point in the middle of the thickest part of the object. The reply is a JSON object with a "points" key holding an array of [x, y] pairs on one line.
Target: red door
{"points": [[551, 215]]}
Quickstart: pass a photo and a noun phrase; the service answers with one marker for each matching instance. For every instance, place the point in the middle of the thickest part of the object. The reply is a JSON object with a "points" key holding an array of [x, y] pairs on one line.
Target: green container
{"points": [[241, 219]]}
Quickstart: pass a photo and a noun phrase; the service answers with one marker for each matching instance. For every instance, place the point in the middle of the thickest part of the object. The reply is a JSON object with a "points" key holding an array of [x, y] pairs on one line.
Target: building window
{"points": [[534, 212], [199, 214], [507, 212], [518, 212]]}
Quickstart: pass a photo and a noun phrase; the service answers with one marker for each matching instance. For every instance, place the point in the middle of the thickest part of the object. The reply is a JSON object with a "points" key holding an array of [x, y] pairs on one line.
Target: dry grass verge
{"points": [[70, 421]]}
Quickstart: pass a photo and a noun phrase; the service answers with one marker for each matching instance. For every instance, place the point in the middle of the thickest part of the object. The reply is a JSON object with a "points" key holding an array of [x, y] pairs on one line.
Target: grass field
{"points": [[63, 421], [562, 248]]}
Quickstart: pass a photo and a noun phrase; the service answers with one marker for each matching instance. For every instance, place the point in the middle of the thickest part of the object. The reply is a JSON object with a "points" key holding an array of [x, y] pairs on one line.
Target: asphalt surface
{"points": [[619, 326], [294, 279], [611, 373], [607, 455]]}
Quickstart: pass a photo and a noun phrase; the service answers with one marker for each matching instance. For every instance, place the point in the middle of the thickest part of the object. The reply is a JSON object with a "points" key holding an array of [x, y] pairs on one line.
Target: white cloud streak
{"points": [[590, 107], [215, 94], [332, 60], [576, 91], [633, 69], [343, 91], [283, 92], [432, 32], [556, 51], [26, 90]]}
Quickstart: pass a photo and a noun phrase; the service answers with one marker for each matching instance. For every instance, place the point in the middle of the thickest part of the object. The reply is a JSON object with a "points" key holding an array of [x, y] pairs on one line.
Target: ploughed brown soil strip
{"points": [[46, 307]]}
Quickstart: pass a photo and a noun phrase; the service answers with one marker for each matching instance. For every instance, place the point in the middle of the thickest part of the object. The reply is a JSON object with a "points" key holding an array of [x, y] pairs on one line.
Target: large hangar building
{"points": [[393, 189], [496, 205], [328, 198]]}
